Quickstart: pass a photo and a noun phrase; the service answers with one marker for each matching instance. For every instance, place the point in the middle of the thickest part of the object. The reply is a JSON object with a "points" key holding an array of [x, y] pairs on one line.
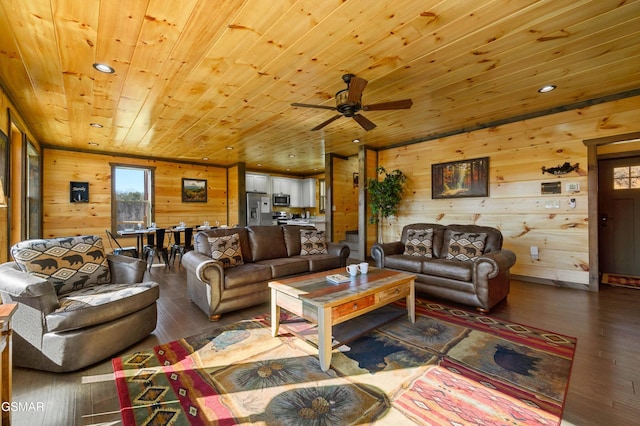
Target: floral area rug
{"points": [[451, 367]]}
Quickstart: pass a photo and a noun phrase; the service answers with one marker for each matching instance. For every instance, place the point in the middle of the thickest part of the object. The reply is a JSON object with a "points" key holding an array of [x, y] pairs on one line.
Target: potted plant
{"points": [[385, 196]]}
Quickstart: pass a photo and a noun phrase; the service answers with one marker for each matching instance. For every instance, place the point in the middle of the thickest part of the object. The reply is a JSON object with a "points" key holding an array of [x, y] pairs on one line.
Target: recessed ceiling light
{"points": [[292, 155], [104, 68], [356, 141], [259, 165], [547, 88], [205, 158], [228, 147], [96, 125], [94, 144]]}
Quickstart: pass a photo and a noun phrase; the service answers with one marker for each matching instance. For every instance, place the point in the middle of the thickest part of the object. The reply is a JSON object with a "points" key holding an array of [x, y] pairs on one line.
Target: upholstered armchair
{"points": [[76, 305]]}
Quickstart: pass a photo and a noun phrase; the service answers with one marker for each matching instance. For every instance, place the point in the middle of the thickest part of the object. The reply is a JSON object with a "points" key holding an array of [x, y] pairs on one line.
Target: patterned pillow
{"points": [[312, 242], [227, 250], [466, 246], [68, 263], [419, 242]]}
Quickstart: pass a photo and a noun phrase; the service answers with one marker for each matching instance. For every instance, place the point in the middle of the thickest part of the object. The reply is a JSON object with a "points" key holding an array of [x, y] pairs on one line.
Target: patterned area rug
{"points": [[621, 280], [451, 367]]}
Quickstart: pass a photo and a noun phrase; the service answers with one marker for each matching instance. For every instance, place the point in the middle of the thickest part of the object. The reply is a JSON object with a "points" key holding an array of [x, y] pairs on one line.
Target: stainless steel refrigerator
{"points": [[259, 209]]}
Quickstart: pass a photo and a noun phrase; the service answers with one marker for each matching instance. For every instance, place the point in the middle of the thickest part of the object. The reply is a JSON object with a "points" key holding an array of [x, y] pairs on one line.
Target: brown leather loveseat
{"points": [[230, 268], [461, 263]]}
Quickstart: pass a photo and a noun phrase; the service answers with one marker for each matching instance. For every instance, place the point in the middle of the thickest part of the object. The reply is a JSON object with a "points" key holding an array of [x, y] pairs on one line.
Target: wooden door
{"points": [[619, 215]]}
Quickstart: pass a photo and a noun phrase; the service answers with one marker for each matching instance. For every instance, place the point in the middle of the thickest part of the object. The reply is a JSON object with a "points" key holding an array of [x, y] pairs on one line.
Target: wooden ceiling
{"points": [[196, 77]]}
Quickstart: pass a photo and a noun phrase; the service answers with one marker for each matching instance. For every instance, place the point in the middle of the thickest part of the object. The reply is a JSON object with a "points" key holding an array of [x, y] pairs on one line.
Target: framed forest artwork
{"points": [[459, 179]]}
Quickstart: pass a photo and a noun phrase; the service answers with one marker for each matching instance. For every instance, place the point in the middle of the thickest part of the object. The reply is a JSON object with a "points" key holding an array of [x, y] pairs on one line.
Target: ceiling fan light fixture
{"points": [[547, 88], [104, 68], [343, 106]]}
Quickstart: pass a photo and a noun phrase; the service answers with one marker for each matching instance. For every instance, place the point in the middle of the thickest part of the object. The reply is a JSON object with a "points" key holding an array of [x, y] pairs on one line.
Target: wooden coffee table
{"points": [[326, 304]]}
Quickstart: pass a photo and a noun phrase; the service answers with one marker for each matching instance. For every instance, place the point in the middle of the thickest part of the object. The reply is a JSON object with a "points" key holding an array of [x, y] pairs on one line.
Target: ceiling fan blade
{"points": [[402, 104], [364, 122], [331, 120], [313, 106], [356, 87]]}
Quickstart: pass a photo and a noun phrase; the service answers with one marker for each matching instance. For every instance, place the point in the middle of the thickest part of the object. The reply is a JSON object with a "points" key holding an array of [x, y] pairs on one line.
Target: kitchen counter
{"points": [[318, 222]]}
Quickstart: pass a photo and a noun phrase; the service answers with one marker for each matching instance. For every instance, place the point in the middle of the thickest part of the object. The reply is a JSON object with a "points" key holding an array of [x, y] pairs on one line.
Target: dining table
{"points": [[140, 234]]}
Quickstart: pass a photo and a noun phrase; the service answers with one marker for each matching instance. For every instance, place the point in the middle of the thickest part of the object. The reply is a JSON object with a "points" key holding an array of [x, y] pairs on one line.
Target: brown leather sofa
{"points": [[460, 263], [255, 256]]}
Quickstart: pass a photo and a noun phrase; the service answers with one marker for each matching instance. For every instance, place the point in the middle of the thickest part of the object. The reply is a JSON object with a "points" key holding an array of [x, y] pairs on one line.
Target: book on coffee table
{"points": [[338, 278]]}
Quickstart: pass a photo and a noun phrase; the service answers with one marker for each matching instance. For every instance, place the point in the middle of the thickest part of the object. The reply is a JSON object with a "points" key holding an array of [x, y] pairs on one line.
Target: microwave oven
{"points": [[281, 200]]}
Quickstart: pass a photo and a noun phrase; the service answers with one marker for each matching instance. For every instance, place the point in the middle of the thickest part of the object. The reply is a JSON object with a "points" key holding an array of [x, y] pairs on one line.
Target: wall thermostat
{"points": [[573, 187]]}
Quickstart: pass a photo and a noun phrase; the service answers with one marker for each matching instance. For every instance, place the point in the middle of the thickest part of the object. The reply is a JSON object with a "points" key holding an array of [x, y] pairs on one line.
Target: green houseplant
{"points": [[385, 196]]}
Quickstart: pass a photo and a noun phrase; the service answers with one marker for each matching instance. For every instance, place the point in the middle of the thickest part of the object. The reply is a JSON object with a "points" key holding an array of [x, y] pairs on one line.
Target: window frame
{"points": [[114, 201]]}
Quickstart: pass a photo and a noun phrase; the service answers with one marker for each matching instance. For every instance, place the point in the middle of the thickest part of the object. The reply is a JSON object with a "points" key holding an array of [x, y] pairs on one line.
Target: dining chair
{"points": [[178, 248], [155, 247], [127, 251]]}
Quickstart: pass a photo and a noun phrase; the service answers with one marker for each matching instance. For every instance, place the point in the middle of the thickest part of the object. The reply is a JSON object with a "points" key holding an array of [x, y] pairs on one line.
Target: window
{"points": [[627, 177], [132, 197]]}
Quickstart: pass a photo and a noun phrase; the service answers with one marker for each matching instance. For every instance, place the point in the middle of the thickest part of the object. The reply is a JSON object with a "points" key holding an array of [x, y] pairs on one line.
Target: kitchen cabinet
{"points": [[281, 185], [290, 186], [301, 191], [256, 182], [296, 194], [308, 190]]}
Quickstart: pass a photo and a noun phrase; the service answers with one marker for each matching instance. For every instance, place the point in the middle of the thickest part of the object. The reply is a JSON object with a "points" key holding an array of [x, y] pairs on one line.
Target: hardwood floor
{"points": [[604, 386]]}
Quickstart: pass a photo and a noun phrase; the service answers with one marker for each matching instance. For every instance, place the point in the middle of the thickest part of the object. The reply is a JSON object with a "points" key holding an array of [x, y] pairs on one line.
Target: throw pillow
{"points": [[419, 242], [68, 263], [466, 246], [312, 242], [227, 250]]}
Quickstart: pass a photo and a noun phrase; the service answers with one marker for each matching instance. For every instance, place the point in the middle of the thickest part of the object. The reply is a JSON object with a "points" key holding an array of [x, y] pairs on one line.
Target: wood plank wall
{"points": [[345, 197], [515, 205], [64, 218]]}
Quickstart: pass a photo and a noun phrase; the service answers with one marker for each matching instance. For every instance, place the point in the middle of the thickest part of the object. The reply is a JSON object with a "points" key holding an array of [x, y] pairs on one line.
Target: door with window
{"points": [[619, 215]]}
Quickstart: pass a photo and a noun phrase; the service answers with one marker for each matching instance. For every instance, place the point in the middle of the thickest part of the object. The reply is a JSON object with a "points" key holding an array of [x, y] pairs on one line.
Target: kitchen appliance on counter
{"points": [[281, 217], [259, 209], [281, 200]]}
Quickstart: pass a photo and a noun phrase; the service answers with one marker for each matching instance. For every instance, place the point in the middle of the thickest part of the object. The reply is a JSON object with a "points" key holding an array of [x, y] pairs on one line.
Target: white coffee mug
{"points": [[352, 270], [363, 267]]}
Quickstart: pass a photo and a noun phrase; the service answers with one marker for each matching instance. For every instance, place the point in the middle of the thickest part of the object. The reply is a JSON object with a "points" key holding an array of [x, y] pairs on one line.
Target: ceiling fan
{"points": [[349, 103]]}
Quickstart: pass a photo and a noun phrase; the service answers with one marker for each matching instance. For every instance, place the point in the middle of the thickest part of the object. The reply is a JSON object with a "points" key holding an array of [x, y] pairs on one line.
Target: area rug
{"points": [[621, 280], [452, 367]]}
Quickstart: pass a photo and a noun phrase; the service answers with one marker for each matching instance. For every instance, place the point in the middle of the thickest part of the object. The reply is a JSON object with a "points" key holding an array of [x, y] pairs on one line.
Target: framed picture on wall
{"points": [[458, 179], [194, 190], [79, 192]]}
